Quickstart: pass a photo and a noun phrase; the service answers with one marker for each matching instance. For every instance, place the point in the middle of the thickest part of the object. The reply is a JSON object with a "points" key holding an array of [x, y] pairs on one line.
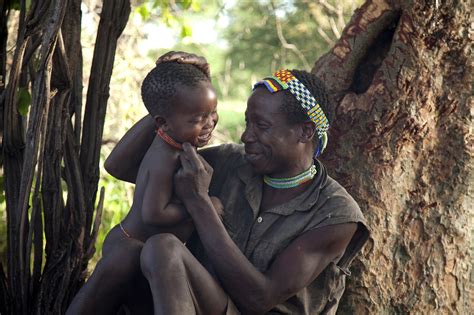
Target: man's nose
{"points": [[247, 135]]}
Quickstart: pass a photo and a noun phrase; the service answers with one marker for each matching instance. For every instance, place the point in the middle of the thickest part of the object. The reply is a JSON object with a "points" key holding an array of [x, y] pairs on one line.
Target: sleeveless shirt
{"points": [[261, 236]]}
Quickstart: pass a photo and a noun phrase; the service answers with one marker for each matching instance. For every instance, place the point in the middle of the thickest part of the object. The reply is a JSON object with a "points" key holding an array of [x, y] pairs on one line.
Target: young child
{"points": [[182, 104]]}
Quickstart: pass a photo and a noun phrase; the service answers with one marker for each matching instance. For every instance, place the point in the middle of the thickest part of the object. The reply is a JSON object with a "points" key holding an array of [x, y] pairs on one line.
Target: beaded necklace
{"points": [[290, 182], [163, 135]]}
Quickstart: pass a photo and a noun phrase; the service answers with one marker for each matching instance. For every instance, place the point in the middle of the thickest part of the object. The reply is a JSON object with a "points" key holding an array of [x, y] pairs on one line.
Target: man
{"points": [[288, 232]]}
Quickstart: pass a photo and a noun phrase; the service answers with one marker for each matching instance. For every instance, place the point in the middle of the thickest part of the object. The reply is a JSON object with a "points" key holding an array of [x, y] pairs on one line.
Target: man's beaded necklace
{"points": [[290, 182]]}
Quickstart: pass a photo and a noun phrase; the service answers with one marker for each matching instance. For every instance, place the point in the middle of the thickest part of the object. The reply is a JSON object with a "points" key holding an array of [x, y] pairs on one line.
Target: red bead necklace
{"points": [[163, 135]]}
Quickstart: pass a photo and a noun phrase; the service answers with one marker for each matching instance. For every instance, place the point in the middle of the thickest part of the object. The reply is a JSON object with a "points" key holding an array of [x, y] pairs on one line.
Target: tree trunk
{"points": [[43, 278], [399, 78]]}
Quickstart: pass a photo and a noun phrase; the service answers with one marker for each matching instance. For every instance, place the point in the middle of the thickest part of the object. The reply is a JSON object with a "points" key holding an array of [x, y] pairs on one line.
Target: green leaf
{"points": [[186, 31], [195, 6], [144, 12], [2, 190], [15, 5], [168, 17], [186, 4], [24, 101]]}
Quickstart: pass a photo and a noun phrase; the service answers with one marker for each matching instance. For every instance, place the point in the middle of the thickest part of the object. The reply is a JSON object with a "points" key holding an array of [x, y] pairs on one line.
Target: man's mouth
{"points": [[251, 155]]}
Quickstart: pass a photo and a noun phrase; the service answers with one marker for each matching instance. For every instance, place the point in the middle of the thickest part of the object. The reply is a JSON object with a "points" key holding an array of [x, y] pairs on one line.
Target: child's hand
{"points": [[216, 202], [184, 57]]}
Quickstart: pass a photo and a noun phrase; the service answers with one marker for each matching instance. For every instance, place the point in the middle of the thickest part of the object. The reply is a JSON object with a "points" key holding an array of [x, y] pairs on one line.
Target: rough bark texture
{"points": [[400, 80], [49, 186]]}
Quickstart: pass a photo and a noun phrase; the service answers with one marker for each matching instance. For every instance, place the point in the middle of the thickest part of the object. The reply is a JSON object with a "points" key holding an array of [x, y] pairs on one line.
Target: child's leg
{"points": [[114, 277]]}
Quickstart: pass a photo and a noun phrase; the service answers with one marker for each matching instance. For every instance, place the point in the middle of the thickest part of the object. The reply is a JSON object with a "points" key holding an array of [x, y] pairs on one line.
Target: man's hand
{"points": [[184, 57], [193, 178]]}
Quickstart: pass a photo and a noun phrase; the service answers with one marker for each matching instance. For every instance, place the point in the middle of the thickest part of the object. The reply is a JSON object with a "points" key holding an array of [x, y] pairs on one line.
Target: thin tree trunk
{"points": [[43, 279], [114, 17], [399, 78]]}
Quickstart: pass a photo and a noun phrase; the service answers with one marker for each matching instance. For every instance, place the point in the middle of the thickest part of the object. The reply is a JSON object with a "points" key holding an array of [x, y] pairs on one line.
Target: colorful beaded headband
{"points": [[285, 80]]}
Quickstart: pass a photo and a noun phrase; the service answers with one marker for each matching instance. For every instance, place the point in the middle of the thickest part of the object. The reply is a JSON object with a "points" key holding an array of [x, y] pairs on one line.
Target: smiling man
{"points": [[288, 232]]}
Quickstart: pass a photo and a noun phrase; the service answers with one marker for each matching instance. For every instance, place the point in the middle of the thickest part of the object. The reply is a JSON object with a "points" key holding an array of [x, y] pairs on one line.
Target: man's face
{"points": [[193, 116], [270, 141]]}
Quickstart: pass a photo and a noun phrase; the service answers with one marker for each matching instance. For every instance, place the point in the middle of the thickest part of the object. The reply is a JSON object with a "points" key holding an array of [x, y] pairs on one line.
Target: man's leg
{"points": [[178, 282]]}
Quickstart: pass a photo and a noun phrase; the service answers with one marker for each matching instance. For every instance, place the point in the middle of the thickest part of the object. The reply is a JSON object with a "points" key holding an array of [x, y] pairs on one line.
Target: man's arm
{"points": [[255, 292], [295, 268], [124, 160]]}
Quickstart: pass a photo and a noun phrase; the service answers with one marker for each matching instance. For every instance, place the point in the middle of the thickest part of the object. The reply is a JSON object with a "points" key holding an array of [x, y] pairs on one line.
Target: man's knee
{"points": [[160, 252]]}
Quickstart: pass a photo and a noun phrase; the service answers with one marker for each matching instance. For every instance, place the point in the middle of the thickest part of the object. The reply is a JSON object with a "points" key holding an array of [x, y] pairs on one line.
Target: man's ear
{"points": [[160, 122], [308, 130]]}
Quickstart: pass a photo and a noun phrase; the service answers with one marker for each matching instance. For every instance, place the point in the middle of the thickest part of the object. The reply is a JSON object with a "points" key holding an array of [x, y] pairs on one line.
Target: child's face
{"points": [[194, 115]]}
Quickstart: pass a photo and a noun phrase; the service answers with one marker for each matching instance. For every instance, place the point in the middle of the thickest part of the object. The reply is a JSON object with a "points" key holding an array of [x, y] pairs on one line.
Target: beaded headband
{"points": [[285, 80]]}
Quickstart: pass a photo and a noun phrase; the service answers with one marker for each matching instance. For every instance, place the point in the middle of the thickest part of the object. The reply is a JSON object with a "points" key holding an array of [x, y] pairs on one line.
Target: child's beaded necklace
{"points": [[163, 135]]}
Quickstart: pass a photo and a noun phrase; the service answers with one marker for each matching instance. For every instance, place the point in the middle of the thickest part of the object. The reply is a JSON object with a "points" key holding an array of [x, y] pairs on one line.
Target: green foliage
{"points": [[265, 36], [143, 11], [186, 31], [16, 4], [256, 38], [172, 13], [24, 101], [231, 121]]}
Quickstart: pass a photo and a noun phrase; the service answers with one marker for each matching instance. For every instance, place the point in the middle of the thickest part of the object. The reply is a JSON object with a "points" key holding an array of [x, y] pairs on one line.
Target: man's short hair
{"points": [[163, 82], [292, 108]]}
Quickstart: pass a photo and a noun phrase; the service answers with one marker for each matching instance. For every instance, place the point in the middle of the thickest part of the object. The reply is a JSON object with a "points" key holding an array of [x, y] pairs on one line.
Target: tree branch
{"points": [[285, 44]]}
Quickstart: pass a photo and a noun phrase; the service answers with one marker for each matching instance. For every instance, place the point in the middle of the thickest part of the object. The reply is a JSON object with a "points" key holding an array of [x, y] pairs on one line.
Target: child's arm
{"points": [[158, 208], [124, 160], [158, 205]]}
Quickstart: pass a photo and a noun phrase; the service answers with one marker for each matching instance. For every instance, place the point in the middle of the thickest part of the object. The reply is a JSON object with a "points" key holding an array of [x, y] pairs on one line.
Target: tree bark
{"points": [[113, 18], [399, 80]]}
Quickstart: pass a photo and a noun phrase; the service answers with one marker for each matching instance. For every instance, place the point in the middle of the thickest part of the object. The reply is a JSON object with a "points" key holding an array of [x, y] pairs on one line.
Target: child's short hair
{"points": [[163, 82]]}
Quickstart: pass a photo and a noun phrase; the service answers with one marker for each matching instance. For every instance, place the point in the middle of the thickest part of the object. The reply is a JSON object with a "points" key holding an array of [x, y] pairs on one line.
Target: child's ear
{"points": [[308, 130], [160, 122]]}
